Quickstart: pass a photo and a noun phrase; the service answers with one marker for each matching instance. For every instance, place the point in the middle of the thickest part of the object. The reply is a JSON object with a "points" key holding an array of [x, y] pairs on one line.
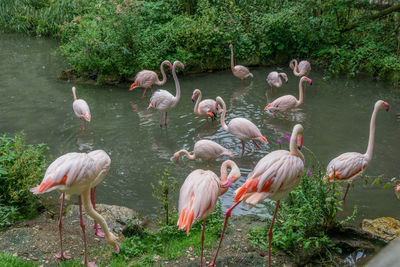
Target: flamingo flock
{"points": [[273, 177]]}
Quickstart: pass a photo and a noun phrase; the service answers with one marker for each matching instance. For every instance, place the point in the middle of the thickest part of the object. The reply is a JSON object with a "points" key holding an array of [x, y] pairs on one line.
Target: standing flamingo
{"points": [[81, 109], [199, 193], [300, 69], [205, 149], [164, 100], [76, 173], [274, 177], [206, 108], [239, 71], [240, 127], [348, 166], [146, 78], [274, 79], [286, 102]]}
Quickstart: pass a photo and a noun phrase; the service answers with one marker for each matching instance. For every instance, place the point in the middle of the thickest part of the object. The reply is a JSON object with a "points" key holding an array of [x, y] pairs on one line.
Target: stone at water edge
{"points": [[386, 228]]}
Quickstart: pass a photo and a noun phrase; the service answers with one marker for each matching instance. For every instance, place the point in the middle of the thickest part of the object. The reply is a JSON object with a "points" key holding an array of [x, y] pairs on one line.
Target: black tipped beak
{"points": [[299, 147], [387, 109], [193, 100], [310, 83], [286, 81]]}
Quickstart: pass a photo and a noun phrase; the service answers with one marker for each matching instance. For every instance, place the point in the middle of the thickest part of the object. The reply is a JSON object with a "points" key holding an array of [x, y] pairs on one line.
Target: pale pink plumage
{"points": [[274, 79], [146, 78], [287, 102], [81, 109], [240, 127], [348, 166], [300, 69], [205, 149], [206, 108], [164, 100], [239, 71]]}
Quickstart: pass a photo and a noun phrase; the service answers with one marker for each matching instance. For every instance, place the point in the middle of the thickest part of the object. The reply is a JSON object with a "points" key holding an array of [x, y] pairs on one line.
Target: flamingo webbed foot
{"points": [[99, 233], [212, 264], [62, 257]]}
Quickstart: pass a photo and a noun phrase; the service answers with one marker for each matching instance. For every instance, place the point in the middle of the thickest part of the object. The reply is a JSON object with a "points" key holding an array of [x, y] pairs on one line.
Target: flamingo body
{"points": [[239, 71], [347, 166], [274, 79], [81, 108], [300, 69], [205, 149], [204, 108]]}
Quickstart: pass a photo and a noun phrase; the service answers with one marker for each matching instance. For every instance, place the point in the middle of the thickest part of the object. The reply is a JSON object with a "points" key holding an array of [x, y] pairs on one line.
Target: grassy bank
{"points": [[115, 39]]}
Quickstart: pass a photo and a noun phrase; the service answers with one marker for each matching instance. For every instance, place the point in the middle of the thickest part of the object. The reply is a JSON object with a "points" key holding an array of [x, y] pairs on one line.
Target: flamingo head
{"points": [[386, 106], [285, 77], [397, 190], [291, 64], [170, 65], [228, 153], [299, 141], [306, 79], [176, 157], [87, 117], [195, 93], [178, 63], [230, 46]]}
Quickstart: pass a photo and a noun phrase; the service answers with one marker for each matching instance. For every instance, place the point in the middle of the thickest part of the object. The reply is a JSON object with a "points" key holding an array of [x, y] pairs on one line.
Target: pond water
{"points": [[335, 115]]}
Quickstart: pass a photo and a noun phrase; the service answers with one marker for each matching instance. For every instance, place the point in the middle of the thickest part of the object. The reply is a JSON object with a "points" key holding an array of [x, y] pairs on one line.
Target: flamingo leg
{"points": [[227, 215], [82, 124], [256, 144], [270, 233], [165, 121], [144, 92], [242, 148], [284, 115], [161, 119], [96, 226], [62, 255], [84, 262], [151, 91], [202, 243], [85, 125], [347, 190]]}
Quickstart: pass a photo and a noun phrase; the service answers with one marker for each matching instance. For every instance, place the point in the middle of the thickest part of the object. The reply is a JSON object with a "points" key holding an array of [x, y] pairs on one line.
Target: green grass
{"points": [[8, 260]]}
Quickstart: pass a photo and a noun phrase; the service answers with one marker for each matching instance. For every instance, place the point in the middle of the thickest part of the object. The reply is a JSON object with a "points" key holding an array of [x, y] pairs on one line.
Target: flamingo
{"points": [[239, 71], [274, 177], [81, 109], [146, 78], [164, 100], [300, 69], [199, 193], [205, 149], [240, 127], [206, 108], [274, 79], [77, 173], [348, 166], [286, 102]]}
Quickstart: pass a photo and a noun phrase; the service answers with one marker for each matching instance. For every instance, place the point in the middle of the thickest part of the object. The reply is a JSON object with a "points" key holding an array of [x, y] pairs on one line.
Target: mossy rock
{"points": [[386, 228]]}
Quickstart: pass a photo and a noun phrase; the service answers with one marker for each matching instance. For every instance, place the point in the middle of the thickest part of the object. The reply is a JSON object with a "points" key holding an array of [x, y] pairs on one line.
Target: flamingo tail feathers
{"points": [[185, 220], [248, 186], [46, 185]]}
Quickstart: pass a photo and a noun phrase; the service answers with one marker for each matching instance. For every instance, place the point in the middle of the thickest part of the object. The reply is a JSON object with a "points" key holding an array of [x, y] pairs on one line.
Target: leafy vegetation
{"points": [[8, 260], [21, 167], [116, 38]]}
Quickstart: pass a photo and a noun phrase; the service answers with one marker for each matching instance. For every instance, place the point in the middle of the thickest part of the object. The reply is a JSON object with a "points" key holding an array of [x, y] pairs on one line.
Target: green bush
{"points": [[21, 167]]}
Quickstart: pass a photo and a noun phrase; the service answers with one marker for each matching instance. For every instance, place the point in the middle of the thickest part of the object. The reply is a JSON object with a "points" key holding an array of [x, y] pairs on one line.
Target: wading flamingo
{"points": [[206, 108], [240, 127], [199, 193], [274, 177], [81, 109], [205, 149], [300, 69], [146, 78], [286, 102], [76, 173], [348, 166], [239, 71], [164, 100], [274, 79]]}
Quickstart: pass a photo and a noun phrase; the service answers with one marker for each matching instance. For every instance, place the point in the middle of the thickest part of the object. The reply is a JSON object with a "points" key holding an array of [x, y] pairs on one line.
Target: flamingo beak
{"points": [[131, 88], [193, 96], [226, 183], [170, 66], [299, 142], [117, 249], [386, 106], [310, 81]]}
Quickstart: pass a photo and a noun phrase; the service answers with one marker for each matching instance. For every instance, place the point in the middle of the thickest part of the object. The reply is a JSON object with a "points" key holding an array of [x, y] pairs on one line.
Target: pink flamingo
{"points": [[239, 71], [240, 127], [348, 166], [199, 193], [274, 79], [274, 177], [286, 102], [76, 173], [206, 108], [81, 109], [205, 149], [300, 69], [164, 100], [146, 78]]}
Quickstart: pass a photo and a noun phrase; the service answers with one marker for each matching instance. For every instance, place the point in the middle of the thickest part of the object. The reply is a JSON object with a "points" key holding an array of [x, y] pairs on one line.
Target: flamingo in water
{"points": [[199, 193], [77, 173], [206, 108], [274, 177], [286, 102], [274, 79], [164, 100], [239, 71], [348, 166], [300, 69], [81, 109], [146, 78], [240, 127], [205, 149]]}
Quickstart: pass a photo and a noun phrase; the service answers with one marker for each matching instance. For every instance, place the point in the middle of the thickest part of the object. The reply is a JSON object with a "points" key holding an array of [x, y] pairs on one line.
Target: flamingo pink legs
{"points": [[270, 233], [145, 92], [62, 255], [202, 243], [165, 119], [96, 226], [256, 144], [347, 190], [227, 215], [84, 262]]}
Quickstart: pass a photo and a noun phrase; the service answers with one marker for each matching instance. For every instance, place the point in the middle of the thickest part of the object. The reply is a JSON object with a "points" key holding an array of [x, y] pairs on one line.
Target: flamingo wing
{"points": [[273, 79], [208, 149], [243, 129], [207, 105], [283, 103], [162, 100], [347, 166], [304, 68], [145, 78], [241, 71], [81, 109]]}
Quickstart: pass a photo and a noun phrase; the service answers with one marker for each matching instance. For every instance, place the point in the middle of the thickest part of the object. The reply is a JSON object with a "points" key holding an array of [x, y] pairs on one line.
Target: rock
{"points": [[68, 75], [386, 228]]}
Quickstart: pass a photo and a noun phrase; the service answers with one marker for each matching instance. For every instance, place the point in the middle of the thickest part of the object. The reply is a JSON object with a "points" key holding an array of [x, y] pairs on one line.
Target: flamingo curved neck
{"points": [[294, 151], [234, 174], [232, 64], [196, 106], [296, 68], [370, 148], [164, 76], [223, 124], [183, 151], [177, 86], [298, 103]]}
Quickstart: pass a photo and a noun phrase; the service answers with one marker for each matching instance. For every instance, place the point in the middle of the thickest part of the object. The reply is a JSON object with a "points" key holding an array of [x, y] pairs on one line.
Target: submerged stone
{"points": [[386, 228]]}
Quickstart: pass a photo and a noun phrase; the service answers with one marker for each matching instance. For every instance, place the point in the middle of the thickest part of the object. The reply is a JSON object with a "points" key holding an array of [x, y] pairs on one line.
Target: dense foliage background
{"points": [[117, 38]]}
